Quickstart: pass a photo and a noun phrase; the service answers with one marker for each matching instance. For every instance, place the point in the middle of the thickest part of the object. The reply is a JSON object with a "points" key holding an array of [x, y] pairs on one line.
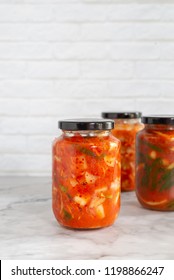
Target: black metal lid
{"points": [[86, 124], [121, 115], [158, 119]]}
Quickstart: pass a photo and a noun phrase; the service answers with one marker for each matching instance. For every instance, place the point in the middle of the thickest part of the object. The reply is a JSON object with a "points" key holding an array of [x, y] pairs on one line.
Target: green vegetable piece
{"points": [[90, 153], [169, 174], [155, 173], [142, 158], [69, 196], [151, 173], [152, 146], [156, 167], [87, 152], [145, 178], [63, 188], [167, 179], [109, 196], [67, 215]]}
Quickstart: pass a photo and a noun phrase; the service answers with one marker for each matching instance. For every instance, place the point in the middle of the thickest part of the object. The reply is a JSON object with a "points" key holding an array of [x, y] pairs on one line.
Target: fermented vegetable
{"points": [[86, 179], [155, 167], [126, 127]]}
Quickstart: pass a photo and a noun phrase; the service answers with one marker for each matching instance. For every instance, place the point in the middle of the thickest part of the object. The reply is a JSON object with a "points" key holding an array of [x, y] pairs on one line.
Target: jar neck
{"points": [[127, 121], [159, 127], [87, 133]]}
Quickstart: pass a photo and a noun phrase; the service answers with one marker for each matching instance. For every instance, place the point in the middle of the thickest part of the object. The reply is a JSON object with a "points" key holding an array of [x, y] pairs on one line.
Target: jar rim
{"points": [[86, 124], [121, 115], [158, 119]]}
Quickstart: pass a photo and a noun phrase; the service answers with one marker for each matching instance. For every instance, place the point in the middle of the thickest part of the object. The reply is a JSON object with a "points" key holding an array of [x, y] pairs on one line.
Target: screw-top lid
{"points": [[121, 115], [86, 124], [158, 119]]}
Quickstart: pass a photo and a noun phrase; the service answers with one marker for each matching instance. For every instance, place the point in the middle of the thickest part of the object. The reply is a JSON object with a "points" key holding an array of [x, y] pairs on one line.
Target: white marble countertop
{"points": [[28, 229]]}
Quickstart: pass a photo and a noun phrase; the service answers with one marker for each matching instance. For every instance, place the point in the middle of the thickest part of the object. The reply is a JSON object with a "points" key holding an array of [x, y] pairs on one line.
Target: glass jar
{"points": [[127, 124], [86, 174], [155, 163]]}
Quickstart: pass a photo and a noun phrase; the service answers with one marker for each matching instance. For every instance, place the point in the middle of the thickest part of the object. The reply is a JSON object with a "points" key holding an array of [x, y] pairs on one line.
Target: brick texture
{"points": [[73, 58]]}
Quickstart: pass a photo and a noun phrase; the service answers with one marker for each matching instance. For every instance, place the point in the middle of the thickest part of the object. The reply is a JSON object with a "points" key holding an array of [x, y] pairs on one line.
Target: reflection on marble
{"points": [[28, 229]]}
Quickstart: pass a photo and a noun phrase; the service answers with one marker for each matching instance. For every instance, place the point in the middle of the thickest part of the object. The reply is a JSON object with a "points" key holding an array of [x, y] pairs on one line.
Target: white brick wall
{"points": [[72, 58]]}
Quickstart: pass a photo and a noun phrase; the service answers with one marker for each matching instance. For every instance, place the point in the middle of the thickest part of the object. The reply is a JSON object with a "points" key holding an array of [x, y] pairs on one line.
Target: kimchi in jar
{"points": [[155, 163], [86, 174], [127, 124]]}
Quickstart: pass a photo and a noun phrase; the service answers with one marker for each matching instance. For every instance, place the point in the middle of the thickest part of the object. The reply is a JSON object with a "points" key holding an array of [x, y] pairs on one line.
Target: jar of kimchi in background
{"points": [[127, 124], [86, 174], [155, 163]]}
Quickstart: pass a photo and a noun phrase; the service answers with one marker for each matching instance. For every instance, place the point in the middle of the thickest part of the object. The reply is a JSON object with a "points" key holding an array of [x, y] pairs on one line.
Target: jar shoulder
{"points": [[103, 143], [156, 133]]}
